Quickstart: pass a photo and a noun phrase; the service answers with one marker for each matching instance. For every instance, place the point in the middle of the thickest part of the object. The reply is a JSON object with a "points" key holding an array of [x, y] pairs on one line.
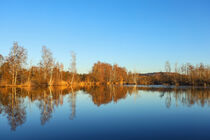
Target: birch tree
{"points": [[47, 64], [1, 60], [16, 59], [1, 63], [168, 66], [73, 66]]}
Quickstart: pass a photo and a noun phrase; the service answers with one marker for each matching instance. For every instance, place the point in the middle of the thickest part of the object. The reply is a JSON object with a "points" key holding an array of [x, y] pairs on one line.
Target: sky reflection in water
{"points": [[105, 113]]}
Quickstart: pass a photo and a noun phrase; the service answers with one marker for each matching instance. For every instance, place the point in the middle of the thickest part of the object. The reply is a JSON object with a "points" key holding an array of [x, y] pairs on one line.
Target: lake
{"points": [[105, 113]]}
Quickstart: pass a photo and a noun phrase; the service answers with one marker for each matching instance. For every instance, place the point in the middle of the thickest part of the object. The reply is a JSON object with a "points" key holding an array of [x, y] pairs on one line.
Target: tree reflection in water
{"points": [[13, 101], [72, 100], [12, 106]]}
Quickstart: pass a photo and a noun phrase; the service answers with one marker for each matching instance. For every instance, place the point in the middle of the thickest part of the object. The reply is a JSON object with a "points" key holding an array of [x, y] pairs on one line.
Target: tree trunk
{"points": [[72, 79], [51, 75], [15, 80]]}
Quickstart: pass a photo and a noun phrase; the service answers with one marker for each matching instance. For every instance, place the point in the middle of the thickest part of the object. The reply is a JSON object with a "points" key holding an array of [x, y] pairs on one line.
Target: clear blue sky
{"points": [[140, 35]]}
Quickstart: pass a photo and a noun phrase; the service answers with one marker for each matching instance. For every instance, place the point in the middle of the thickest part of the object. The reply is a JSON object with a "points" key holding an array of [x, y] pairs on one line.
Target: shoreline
{"points": [[102, 84]]}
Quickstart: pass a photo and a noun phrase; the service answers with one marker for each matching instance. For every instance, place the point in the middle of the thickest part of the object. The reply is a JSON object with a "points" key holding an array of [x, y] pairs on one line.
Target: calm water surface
{"points": [[105, 113]]}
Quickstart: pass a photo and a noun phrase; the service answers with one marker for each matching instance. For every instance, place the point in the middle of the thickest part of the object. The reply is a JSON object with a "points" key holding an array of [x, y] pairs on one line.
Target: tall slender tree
{"points": [[17, 58], [1, 60], [47, 64], [73, 66], [1, 71], [167, 66]]}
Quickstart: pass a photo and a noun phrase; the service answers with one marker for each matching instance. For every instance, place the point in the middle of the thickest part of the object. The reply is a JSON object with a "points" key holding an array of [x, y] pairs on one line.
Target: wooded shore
{"points": [[15, 71]]}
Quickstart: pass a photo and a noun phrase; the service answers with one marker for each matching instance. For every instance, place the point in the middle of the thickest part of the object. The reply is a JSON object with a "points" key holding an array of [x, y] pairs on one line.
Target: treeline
{"points": [[15, 71], [186, 74]]}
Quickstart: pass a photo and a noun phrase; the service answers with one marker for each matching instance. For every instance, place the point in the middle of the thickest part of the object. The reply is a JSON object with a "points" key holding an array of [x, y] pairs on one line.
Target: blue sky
{"points": [[138, 34]]}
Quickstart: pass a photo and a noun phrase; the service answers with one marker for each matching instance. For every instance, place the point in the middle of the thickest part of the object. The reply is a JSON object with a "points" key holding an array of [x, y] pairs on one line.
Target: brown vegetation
{"points": [[15, 72], [187, 74]]}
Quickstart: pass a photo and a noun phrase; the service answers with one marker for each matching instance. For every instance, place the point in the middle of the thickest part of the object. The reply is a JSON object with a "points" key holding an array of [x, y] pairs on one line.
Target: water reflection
{"points": [[104, 94], [14, 101], [185, 96], [12, 105]]}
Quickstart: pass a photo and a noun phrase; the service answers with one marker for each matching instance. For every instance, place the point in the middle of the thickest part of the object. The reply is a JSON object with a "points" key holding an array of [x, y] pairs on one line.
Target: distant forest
{"points": [[14, 71]]}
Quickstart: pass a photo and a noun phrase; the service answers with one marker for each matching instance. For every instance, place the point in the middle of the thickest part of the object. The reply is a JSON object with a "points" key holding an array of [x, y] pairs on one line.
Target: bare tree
{"points": [[17, 57], [47, 63], [167, 66], [135, 75], [61, 71], [1, 60], [73, 66], [1, 63], [176, 69], [175, 78], [29, 72]]}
